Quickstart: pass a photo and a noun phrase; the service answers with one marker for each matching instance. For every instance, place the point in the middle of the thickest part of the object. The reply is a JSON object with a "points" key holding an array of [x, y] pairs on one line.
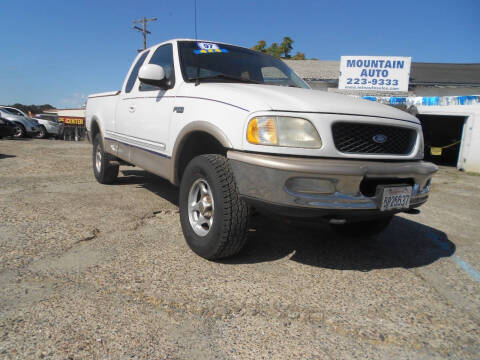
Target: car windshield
{"points": [[53, 118], [201, 61]]}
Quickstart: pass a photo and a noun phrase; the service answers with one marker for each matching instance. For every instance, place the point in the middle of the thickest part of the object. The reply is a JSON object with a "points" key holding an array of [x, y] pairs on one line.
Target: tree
{"points": [[34, 109], [275, 50], [286, 46], [299, 56], [282, 50], [260, 46]]}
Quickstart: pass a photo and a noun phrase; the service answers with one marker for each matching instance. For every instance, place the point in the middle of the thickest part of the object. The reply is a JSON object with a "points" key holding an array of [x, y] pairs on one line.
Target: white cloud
{"points": [[75, 100]]}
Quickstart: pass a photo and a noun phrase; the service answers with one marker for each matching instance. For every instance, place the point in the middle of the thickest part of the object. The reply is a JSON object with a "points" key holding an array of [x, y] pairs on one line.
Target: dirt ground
{"points": [[91, 271]]}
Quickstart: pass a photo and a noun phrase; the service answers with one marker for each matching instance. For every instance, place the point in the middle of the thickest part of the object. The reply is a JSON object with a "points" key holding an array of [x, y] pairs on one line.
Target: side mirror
{"points": [[153, 74]]}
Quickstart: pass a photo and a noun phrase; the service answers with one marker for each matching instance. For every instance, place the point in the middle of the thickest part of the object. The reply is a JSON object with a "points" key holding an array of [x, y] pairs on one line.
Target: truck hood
{"points": [[254, 97]]}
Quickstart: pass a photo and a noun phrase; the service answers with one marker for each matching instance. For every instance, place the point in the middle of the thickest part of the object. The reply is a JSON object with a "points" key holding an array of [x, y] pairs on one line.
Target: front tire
{"points": [[42, 134], [104, 172], [20, 131], [214, 219]]}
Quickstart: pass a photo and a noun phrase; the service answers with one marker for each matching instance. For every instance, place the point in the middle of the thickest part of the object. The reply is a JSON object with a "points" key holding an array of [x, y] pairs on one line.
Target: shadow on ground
{"points": [[405, 243], [6, 156], [18, 139], [151, 182]]}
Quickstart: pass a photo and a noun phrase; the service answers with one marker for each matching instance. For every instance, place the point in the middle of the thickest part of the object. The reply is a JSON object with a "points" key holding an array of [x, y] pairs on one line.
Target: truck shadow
{"points": [[405, 243], [151, 182]]}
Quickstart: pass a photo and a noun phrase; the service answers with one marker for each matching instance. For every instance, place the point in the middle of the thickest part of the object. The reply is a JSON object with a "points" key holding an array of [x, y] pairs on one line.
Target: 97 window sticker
{"points": [[381, 82], [208, 48]]}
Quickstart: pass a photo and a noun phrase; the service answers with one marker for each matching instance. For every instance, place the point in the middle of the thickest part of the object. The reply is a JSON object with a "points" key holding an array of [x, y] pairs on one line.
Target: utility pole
{"points": [[144, 30]]}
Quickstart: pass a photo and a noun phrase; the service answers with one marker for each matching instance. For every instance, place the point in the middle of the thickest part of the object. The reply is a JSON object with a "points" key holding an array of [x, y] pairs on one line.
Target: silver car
{"points": [[49, 125], [24, 126]]}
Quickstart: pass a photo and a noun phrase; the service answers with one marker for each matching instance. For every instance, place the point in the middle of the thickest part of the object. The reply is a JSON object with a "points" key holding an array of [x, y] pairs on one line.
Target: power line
{"points": [[143, 30]]}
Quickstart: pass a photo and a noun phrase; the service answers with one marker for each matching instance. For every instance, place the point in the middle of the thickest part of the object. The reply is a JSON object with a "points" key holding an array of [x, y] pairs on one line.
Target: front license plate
{"points": [[397, 197]]}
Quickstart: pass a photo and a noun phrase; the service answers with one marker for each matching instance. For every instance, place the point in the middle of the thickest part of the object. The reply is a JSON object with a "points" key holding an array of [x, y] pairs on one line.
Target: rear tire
{"points": [[213, 216], [104, 172], [368, 228]]}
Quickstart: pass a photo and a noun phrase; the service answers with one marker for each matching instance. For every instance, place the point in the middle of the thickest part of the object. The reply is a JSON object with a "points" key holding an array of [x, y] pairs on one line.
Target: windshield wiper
{"points": [[225, 77]]}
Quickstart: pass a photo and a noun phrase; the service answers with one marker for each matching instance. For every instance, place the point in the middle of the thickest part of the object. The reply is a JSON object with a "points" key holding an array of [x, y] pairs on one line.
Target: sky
{"points": [[59, 51]]}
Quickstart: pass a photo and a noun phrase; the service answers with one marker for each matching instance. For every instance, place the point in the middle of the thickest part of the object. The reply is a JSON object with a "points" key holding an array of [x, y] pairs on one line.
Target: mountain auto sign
{"points": [[378, 73]]}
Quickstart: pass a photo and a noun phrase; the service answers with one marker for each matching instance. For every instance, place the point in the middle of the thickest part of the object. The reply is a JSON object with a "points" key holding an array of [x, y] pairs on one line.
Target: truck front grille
{"points": [[373, 139]]}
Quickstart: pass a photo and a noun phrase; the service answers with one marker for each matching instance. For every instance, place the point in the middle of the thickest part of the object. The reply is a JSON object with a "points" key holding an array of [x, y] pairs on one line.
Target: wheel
{"points": [[363, 228], [20, 131], [42, 134], [104, 172], [214, 219]]}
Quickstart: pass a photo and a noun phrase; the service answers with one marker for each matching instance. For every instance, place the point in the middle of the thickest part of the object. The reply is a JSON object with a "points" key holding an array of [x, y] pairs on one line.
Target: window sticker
{"points": [[208, 48]]}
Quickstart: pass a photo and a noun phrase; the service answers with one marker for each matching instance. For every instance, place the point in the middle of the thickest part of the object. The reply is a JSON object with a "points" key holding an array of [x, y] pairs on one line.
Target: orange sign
{"points": [[72, 120]]}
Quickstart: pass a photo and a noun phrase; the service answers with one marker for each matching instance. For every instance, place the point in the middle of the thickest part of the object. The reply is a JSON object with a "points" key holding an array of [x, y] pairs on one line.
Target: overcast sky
{"points": [[59, 51]]}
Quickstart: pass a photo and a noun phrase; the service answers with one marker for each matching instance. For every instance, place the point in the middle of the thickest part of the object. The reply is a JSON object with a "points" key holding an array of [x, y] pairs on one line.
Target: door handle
{"points": [[131, 108]]}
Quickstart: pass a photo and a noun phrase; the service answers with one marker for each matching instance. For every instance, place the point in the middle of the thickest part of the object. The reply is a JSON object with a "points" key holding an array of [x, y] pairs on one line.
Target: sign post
{"points": [[377, 73]]}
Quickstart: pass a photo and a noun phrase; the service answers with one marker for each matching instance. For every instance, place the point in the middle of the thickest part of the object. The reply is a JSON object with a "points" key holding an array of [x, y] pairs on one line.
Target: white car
{"points": [[237, 129], [49, 125]]}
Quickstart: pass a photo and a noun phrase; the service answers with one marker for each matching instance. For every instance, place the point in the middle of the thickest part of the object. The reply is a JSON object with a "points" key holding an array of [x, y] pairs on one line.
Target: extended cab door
{"points": [[143, 112]]}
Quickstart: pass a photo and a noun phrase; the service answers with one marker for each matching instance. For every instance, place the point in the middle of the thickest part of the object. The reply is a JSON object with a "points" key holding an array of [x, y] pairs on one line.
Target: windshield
{"points": [[7, 110], [47, 117], [220, 62]]}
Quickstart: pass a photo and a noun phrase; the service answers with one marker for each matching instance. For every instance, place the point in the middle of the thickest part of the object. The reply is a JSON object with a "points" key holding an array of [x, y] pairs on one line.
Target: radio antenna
{"points": [[196, 20]]}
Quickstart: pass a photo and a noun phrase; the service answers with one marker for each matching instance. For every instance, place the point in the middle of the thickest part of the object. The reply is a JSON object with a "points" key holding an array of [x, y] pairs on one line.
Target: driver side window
{"points": [[163, 56]]}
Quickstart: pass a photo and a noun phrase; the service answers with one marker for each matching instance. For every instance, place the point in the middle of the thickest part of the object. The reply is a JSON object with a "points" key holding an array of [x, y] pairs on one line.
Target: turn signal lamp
{"points": [[262, 131]]}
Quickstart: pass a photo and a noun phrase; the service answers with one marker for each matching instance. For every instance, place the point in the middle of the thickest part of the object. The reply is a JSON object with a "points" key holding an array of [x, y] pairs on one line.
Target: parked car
{"points": [[49, 125], [7, 128], [23, 124], [237, 129]]}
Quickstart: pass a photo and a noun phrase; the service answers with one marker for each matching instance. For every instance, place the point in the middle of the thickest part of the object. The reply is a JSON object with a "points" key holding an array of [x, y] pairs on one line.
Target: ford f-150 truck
{"points": [[237, 129]]}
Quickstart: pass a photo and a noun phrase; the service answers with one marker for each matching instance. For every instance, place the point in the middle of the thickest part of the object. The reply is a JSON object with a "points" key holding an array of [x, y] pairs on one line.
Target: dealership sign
{"points": [[379, 73]]}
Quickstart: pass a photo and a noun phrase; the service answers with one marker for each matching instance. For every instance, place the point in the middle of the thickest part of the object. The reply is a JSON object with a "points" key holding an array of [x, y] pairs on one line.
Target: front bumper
{"points": [[325, 186], [54, 130]]}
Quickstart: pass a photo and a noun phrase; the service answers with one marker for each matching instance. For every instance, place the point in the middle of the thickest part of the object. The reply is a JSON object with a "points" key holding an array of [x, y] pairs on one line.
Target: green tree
{"points": [[281, 51], [35, 109], [299, 56], [262, 44], [275, 50], [286, 47]]}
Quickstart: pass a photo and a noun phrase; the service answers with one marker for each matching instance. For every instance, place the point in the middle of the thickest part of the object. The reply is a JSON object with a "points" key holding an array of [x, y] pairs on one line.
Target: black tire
{"points": [[367, 228], [42, 134], [20, 131], [104, 172], [230, 215]]}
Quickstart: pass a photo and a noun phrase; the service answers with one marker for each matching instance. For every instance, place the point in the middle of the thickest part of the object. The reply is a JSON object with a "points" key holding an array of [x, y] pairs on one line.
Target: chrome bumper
{"points": [[324, 184]]}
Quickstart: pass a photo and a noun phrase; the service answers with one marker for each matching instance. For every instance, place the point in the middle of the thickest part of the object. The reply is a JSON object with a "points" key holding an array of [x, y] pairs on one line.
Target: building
{"points": [[445, 97], [74, 120]]}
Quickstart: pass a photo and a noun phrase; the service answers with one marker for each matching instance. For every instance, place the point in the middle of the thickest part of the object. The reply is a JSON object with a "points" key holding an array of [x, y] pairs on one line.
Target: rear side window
{"points": [[133, 75]]}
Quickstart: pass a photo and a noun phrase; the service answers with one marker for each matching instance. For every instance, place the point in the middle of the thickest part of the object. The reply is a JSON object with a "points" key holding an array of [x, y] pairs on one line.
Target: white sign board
{"points": [[379, 73]]}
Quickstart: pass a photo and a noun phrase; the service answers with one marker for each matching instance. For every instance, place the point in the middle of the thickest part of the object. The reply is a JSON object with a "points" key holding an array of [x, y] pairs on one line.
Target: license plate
{"points": [[397, 197]]}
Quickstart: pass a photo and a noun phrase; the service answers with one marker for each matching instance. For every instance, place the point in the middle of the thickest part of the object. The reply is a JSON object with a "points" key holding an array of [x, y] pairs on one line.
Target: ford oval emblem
{"points": [[380, 138]]}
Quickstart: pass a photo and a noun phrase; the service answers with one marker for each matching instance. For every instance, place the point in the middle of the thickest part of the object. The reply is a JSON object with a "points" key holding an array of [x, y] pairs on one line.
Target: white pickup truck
{"points": [[237, 129]]}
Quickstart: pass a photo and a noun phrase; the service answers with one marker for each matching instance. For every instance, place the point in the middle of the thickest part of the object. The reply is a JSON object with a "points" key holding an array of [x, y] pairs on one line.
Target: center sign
{"points": [[380, 73]]}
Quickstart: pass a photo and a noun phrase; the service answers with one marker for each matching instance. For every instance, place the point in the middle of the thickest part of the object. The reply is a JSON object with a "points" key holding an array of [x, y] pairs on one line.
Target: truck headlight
{"points": [[283, 131]]}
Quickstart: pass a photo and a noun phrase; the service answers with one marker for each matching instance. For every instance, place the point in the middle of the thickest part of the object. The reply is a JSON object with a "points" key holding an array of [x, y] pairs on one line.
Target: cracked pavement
{"points": [[91, 271]]}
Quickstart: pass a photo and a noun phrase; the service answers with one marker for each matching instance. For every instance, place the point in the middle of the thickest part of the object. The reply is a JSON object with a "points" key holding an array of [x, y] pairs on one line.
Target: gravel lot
{"points": [[93, 271]]}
